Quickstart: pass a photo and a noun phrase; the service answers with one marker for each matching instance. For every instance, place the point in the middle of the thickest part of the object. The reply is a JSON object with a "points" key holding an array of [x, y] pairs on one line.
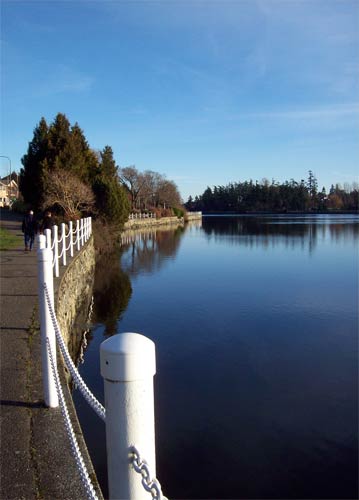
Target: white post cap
{"points": [[44, 254], [127, 357]]}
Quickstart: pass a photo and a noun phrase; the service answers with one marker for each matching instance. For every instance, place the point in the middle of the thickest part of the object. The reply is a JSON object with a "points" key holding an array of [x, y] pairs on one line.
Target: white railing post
{"points": [[87, 228], [55, 235], [90, 225], [63, 233], [48, 238], [78, 234], [128, 364], [71, 239], [44, 262], [41, 241], [82, 232]]}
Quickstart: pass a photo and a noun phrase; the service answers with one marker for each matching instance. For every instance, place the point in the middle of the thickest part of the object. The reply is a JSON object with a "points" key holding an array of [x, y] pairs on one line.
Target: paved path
{"points": [[36, 459]]}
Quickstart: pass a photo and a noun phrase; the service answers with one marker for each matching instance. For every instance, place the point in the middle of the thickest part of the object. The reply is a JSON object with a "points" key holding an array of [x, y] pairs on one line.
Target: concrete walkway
{"points": [[36, 459]]}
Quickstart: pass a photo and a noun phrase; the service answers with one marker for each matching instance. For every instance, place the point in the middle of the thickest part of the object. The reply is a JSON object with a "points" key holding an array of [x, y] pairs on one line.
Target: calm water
{"points": [[255, 321]]}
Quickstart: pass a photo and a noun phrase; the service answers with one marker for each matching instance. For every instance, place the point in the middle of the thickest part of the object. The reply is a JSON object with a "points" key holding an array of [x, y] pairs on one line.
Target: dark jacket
{"points": [[29, 225], [47, 223]]}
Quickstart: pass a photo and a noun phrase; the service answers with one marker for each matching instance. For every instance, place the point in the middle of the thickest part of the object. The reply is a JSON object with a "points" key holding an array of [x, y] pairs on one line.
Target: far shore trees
{"points": [[249, 196]]}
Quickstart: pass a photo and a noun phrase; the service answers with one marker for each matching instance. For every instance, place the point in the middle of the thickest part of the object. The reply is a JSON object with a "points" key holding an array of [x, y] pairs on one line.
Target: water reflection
{"points": [[112, 292], [256, 353], [302, 231], [146, 251]]}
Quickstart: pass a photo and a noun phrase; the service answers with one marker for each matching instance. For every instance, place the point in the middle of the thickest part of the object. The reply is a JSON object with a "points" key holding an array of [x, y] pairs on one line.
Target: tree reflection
{"points": [[112, 291], [291, 231], [146, 251]]}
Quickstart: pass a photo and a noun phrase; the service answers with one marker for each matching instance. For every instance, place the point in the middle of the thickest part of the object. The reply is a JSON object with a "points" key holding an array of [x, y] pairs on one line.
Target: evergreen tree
{"points": [[54, 148], [111, 198], [35, 165], [312, 184], [69, 149], [108, 166], [111, 201]]}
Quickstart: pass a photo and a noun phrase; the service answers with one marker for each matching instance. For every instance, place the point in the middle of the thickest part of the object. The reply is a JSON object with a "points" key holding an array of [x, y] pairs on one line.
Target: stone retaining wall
{"points": [[73, 294], [193, 216], [150, 222]]}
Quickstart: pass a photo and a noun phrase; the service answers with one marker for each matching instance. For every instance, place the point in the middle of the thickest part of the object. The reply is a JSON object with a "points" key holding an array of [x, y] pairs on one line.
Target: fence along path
{"points": [[125, 358]]}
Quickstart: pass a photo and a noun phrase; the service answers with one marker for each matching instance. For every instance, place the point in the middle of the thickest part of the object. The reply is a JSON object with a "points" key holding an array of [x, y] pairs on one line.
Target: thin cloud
{"points": [[64, 79], [316, 113]]}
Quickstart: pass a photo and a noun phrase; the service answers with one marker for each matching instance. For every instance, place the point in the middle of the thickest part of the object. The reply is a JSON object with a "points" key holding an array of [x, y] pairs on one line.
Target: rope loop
{"points": [[85, 391], [85, 478]]}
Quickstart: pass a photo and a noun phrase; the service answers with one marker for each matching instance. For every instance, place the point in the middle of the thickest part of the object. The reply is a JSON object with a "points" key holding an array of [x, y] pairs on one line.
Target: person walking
{"points": [[47, 222], [29, 228]]}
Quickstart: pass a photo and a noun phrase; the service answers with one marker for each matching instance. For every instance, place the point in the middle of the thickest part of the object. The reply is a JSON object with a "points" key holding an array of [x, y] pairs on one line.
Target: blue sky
{"points": [[205, 92]]}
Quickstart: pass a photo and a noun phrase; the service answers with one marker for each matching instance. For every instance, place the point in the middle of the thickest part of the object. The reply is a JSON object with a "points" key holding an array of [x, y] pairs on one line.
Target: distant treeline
{"points": [[249, 196]]}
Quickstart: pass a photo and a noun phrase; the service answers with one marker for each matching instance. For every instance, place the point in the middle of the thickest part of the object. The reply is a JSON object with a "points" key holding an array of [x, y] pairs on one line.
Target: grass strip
{"points": [[8, 240]]}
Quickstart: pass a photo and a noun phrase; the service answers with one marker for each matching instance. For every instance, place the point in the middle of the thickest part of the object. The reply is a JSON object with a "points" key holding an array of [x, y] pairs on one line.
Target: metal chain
{"points": [[85, 478], [90, 398], [150, 484]]}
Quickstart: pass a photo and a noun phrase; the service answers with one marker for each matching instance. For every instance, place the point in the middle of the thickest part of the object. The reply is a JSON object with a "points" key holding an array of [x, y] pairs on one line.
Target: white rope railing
{"points": [[60, 247], [141, 396], [68, 247], [149, 483], [85, 478], [85, 391]]}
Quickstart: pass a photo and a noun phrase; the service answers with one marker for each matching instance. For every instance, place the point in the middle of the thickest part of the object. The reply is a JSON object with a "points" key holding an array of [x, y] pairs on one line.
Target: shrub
{"points": [[179, 212], [111, 201]]}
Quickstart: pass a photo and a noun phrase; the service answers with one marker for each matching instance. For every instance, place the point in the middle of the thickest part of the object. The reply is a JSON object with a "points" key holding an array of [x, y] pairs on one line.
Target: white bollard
{"points": [[55, 236], [44, 262], [63, 236], [128, 364], [41, 241], [71, 239], [48, 238]]}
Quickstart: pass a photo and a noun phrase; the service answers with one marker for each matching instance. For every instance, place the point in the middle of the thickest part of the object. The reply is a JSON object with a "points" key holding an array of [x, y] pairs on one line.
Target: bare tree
{"points": [[149, 188], [134, 181], [68, 192], [152, 182], [168, 194]]}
